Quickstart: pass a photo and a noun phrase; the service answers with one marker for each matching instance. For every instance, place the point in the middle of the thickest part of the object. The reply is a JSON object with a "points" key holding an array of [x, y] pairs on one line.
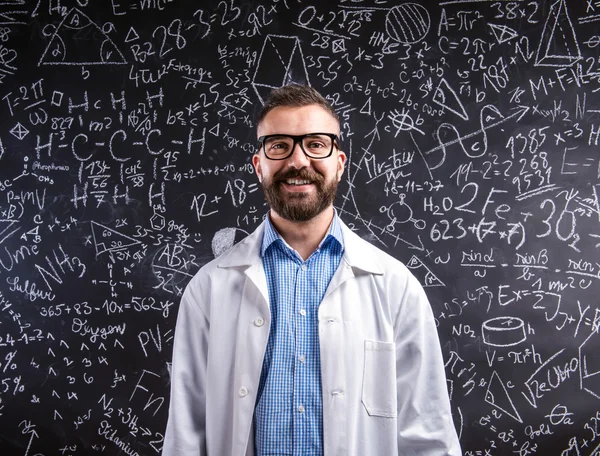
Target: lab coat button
{"points": [[243, 391], [259, 322]]}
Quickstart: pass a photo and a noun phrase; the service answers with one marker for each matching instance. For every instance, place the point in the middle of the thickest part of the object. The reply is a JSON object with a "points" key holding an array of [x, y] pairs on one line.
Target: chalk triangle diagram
{"points": [[497, 395], [280, 62], [108, 240], [430, 279], [589, 364], [79, 41], [558, 44], [5, 229], [502, 33], [132, 35], [446, 97]]}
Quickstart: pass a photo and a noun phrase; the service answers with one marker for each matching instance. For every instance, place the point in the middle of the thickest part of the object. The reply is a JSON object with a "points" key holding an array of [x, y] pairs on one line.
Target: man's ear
{"points": [[257, 168], [341, 161]]}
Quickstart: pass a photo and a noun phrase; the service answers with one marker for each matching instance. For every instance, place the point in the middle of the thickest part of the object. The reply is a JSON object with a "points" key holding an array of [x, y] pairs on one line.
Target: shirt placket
{"points": [[301, 320]]}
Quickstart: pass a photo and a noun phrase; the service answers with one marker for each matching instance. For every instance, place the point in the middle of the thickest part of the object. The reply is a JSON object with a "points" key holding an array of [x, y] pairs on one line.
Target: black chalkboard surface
{"points": [[126, 136]]}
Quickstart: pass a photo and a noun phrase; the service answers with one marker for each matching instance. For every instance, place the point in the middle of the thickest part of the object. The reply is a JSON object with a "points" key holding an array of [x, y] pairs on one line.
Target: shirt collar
{"points": [[358, 254], [271, 235]]}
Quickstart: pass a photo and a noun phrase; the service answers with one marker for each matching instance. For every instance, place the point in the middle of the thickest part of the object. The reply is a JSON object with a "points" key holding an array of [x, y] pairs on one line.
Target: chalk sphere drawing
{"points": [[407, 23]]}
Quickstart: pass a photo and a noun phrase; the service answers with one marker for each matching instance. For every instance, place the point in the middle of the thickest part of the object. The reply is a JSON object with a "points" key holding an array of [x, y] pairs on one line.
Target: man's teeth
{"points": [[297, 182]]}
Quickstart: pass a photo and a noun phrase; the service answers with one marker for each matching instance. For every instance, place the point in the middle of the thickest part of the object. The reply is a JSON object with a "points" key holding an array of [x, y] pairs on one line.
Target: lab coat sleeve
{"points": [[186, 427], [425, 425]]}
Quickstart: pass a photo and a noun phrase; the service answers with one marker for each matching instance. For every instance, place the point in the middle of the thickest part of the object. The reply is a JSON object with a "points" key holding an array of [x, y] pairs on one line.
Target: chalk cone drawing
{"points": [[79, 41], [108, 240], [407, 23], [497, 396], [558, 44], [446, 97], [589, 363], [430, 279], [503, 33], [503, 331], [280, 62]]}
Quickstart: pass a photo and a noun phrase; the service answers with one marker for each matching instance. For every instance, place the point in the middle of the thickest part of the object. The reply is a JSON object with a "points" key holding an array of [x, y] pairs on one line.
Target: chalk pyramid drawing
{"points": [[108, 240], [497, 395], [558, 44], [281, 62], [446, 97], [430, 279], [79, 41], [503, 33]]}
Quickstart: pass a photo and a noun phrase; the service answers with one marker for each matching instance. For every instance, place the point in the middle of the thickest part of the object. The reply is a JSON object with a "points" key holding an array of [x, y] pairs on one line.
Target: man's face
{"points": [[279, 178]]}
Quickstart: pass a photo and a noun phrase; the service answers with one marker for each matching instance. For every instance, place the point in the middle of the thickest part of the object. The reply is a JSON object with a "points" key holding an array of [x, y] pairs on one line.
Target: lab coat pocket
{"points": [[379, 379]]}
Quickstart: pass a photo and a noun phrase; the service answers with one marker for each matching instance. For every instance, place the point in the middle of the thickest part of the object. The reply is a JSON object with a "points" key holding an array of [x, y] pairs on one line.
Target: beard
{"points": [[300, 206]]}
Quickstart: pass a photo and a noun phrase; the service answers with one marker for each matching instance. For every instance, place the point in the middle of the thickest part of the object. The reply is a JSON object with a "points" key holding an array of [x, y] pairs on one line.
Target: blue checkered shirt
{"points": [[288, 418]]}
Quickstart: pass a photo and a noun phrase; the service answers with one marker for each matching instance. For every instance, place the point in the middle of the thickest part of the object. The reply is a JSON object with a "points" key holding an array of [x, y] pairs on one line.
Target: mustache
{"points": [[304, 174]]}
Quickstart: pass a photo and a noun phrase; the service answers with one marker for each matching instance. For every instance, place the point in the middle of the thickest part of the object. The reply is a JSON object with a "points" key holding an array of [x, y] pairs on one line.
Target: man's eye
{"points": [[278, 146], [316, 145]]}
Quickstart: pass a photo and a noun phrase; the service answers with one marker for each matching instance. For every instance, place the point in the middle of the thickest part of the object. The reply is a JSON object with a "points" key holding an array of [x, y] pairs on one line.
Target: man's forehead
{"points": [[309, 117]]}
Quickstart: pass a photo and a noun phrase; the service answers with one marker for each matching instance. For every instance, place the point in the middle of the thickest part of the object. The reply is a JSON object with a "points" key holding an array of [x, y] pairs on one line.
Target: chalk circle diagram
{"points": [[226, 238], [77, 40], [503, 331], [407, 23]]}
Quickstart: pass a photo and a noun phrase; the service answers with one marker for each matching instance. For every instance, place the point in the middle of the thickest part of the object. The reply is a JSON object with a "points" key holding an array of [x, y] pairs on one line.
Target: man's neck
{"points": [[303, 237]]}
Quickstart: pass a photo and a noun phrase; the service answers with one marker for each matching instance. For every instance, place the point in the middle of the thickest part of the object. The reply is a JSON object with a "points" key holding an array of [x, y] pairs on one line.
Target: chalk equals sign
{"points": [[252, 188]]}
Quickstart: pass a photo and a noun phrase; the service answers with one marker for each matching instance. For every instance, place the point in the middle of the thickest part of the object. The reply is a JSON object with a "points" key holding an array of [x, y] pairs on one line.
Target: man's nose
{"points": [[298, 159]]}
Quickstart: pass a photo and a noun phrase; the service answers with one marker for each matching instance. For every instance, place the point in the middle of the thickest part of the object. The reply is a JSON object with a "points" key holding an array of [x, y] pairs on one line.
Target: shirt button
{"points": [[303, 312], [259, 322], [301, 408], [302, 358], [243, 391], [303, 267]]}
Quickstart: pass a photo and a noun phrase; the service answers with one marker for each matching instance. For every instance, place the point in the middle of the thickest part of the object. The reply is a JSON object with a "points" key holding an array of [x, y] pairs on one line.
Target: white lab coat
{"points": [[383, 382]]}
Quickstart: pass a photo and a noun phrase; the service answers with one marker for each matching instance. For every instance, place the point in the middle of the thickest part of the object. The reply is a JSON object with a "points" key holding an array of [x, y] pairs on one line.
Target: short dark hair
{"points": [[295, 95]]}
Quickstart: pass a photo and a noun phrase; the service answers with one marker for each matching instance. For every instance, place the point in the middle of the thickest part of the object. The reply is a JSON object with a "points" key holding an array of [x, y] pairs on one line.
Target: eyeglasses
{"points": [[314, 145]]}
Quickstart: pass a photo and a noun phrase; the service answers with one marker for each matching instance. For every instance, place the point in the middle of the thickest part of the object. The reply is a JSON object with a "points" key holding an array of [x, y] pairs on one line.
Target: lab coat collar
{"points": [[358, 253]]}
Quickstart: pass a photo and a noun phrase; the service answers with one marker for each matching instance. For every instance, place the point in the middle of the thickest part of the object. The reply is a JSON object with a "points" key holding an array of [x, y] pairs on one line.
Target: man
{"points": [[303, 339]]}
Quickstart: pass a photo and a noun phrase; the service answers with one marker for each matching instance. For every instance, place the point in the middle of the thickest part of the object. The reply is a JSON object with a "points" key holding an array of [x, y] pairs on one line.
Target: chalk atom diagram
{"points": [[281, 62], [77, 40], [558, 44]]}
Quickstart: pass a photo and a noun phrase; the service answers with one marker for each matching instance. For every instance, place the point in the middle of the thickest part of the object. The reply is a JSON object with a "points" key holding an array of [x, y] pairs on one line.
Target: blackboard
{"points": [[126, 136]]}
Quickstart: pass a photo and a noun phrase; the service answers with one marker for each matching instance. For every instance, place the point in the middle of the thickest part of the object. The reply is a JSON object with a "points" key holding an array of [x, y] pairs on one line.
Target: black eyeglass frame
{"points": [[298, 140]]}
